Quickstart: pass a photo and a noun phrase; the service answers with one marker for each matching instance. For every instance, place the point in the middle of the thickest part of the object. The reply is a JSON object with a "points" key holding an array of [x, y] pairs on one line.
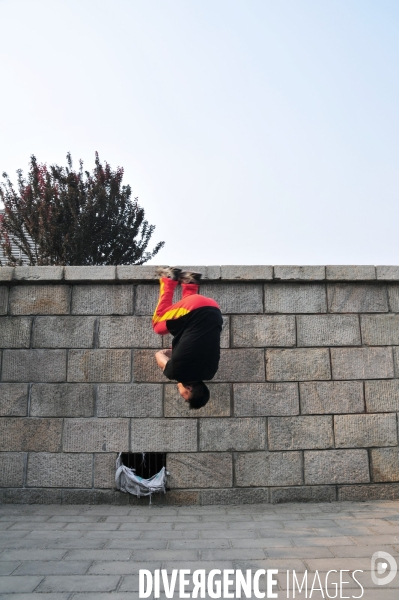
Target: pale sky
{"points": [[252, 131]]}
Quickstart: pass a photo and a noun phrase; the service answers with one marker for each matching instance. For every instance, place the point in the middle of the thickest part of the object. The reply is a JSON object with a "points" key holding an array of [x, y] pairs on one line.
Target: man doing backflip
{"points": [[195, 323]]}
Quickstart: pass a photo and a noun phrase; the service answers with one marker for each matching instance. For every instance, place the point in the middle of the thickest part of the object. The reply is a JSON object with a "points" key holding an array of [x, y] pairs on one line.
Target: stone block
{"points": [[350, 272], [15, 332], [295, 298], [99, 365], [38, 273], [304, 493], [380, 330], [300, 433], [95, 497], [6, 273], [225, 335], [63, 332], [218, 405], [385, 464], [331, 397], [263, 330], [39, 300], [265, 399], [357, 297], [30, 435], [172, 498], [92, 273], [236, 297], [127, 332], [301, 364], [241, 365], [96, 435], [235, 496], [136, 272], [365, 493], [300, 273], [382, 396], [104, 470], [62, 400], [129, 400], [11, 469], [336, 466], [145, 368], [208, 271], [246, 272], [212, 272], [147, 299], [13, 399], [360, 431], [59, 470], [102, 299], [31, 496], [164, 435], [34, 365], [202, 470], [362, 363], [393, 296], [234, 434], [387, 273], [396, 360], [328, 330], [262, 469], [3, 300]]}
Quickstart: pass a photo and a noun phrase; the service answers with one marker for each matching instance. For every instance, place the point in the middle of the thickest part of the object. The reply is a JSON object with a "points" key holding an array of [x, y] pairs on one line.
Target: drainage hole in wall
{"points": [[145, 464]]}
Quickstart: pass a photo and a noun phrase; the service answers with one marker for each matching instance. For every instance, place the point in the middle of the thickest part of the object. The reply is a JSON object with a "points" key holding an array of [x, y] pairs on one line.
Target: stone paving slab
{"points": [[6, 568], [113, 596], [34, 596], [29, 556], [95, 552], [52, 567], [79, 583], [19, 583]]}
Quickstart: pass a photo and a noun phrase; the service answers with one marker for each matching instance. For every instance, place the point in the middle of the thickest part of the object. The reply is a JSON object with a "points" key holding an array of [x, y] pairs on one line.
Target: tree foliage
{"points": [[73, 217]]}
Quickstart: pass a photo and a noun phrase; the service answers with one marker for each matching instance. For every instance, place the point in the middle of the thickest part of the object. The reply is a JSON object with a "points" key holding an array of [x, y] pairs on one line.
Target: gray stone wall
{"points": [[304, 406]]}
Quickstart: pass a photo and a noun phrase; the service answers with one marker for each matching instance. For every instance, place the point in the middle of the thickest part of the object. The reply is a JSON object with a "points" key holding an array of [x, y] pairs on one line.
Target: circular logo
{"points": [[381, 568]]}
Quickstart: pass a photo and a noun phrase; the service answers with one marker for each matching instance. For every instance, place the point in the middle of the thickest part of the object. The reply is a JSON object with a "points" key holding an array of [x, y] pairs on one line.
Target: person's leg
{"points": [[189, 289], [166, 291], [167, 288]]}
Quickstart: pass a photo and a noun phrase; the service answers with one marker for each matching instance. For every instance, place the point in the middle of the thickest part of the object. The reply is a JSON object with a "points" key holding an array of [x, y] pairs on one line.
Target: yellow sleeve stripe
{"points": [[170, 314]]}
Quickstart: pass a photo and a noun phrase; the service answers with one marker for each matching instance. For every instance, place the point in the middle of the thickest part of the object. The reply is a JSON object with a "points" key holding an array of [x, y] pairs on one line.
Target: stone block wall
{"points": [[304, 406]]}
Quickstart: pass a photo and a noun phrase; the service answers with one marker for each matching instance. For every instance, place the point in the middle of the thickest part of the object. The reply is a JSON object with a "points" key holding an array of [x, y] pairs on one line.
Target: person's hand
{"points": [[162, 357]]}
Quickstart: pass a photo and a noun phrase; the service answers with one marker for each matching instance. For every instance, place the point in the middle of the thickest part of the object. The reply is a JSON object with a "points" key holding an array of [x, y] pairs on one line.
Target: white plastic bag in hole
{"points": [[126, 480]]}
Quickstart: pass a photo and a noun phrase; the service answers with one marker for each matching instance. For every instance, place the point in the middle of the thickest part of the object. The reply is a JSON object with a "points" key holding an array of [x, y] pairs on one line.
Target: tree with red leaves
{"points": [[60, 216]]}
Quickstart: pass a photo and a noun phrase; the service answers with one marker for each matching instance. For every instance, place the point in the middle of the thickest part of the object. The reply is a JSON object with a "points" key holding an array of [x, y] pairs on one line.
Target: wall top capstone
{"points": [[138, 273]]}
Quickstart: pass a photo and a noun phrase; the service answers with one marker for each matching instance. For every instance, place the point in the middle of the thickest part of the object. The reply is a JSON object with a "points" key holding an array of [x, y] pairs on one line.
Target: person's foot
{"points": [[190, 277], [169, 272]]}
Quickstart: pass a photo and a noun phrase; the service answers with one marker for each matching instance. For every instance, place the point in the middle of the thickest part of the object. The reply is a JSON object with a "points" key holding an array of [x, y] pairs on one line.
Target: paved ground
{"points": [[95, 552]]}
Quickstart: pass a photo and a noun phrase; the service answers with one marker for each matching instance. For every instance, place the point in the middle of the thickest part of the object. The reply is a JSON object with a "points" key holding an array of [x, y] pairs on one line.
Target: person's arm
{"points": [[162, 357]]}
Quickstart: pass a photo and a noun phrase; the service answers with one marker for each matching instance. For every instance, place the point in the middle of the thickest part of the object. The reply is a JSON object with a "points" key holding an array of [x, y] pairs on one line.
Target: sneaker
{"points": [[169, 272], [190, 277]]}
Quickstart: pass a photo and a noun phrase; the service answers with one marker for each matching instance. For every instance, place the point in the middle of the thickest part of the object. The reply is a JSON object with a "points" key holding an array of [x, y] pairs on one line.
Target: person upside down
{"points": [[196, 324]]}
